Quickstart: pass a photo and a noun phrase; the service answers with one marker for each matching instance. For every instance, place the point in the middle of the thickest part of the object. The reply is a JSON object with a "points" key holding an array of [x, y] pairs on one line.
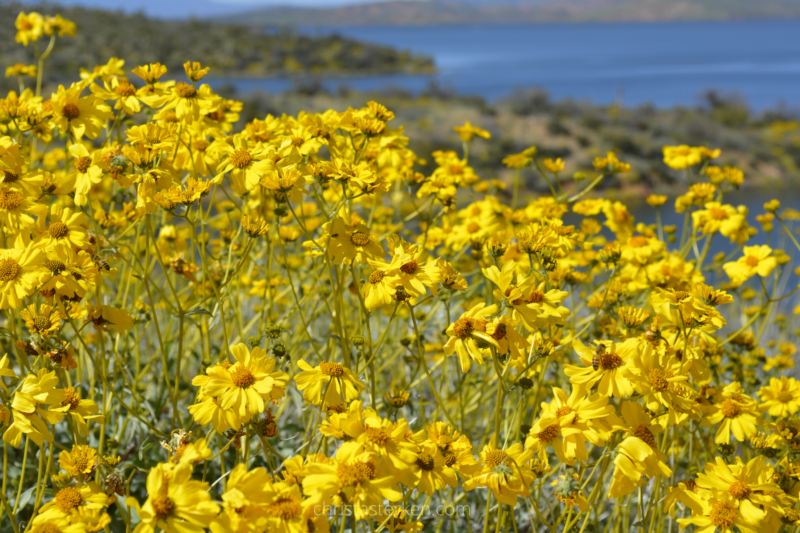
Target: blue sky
{"points": [[201, 8]]}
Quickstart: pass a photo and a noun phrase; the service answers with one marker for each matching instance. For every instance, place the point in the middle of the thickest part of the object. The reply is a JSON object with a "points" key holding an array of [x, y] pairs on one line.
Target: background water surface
{"points": [[666, 64]]}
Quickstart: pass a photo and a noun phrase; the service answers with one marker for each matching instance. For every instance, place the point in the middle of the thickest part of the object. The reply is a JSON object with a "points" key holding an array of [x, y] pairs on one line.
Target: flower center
{"points": [[184, 90], [285, 508], [410, 267], [356, 473], [377, 276], [10, 177], [10, 200], [82, 164], [378, 436], [81, 463], [125, 89], [68, 499], [331, 369], [785, 396], [536, 297], [463, 327], [55, 266], [41, 323], [751, 261], [730, 409], [241, 158], [499, 332], [658, 379], [9, 269], [495, 458], [643, 433], [723, 515], [242, 378], [163, 506], [71, 111], [718, 214], [359, 238], [71, 398], [200, 145], [610, 361], [548, 434], [58, 230], [425, 462], [637, 241], [564, 411], [739, 490], [449, 458]]}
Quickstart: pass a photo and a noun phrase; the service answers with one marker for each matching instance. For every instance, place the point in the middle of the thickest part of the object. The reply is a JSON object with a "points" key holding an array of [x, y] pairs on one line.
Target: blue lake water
{"points": [[665, 64]]}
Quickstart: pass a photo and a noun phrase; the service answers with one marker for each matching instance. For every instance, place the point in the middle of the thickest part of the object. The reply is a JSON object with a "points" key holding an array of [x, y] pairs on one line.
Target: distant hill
{"points": [[230, 50], [410, 13]]}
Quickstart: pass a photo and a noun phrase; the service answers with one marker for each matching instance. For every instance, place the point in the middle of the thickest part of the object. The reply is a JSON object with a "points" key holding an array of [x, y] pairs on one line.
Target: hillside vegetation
{"points": [[229, 50]]}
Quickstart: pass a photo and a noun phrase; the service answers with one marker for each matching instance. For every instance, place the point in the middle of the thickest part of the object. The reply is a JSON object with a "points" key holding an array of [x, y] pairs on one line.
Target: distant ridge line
{"points": [[436, 12]]}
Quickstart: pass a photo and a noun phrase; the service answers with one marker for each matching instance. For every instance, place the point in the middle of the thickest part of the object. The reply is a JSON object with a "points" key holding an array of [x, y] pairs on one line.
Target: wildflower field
{"points": [[286, 327]]}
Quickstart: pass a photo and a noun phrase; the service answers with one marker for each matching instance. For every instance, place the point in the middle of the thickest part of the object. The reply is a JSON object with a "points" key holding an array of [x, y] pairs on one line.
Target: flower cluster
{"points": [[287, 326]]}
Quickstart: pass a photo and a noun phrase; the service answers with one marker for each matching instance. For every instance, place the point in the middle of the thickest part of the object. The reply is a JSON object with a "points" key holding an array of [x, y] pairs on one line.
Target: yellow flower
{"points": [[781, 398], [718, 513], [468, 337], [637, 455], [520, 160], [353, 244], [119, 89], [244, 386], [656, 200], [750, 486], [79, 116], [194, 70], [504, 471], [71, 501], [529, 301], [574, 419], [454, 446], [176, 503], [603, 367], [468, 131], [66, 232], [610, 164], [735, 413], [87, 173], [22, 70], [60, 25], [79, 410], [30, 27], [662, 383], [553, 165], [46, 322], [355, 478], [341, 384], [150, 73], [20, 273], [430, 471], [188, 102], [245, 165], [732, 175], [106, 316], [379, 289], [757, 260], [6, 372], [715, 217], [245, 501], [29, 417], [681, 157], [80, 462]]}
